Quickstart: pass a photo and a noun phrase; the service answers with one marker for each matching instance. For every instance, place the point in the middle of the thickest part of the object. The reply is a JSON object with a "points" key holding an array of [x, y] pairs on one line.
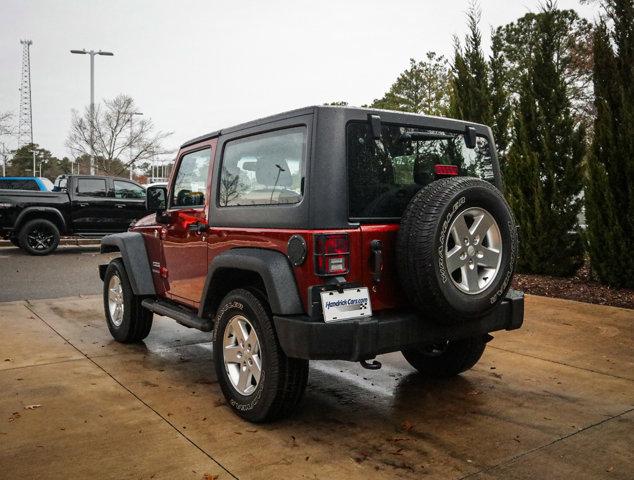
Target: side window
{"points": [[128, 190], [91, 187], [17, 184], [263, 169], [191, 180]]}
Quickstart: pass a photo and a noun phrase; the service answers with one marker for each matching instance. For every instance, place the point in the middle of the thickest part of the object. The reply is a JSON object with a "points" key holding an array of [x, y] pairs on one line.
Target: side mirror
{"points": [[156, 199], [470, 137]]}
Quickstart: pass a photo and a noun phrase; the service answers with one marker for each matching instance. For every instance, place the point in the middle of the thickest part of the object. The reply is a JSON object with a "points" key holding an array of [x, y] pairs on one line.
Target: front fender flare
{"points": [[135, 259], [272, 266]]}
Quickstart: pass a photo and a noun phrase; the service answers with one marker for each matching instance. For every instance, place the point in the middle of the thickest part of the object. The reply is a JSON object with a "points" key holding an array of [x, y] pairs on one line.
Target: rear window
{"points": [[18, 184], [384, 175], [91, 187]]}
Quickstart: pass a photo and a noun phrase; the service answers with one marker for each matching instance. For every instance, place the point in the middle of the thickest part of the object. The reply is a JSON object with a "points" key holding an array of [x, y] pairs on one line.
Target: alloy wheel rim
{"points": [[473, 250], [40, 238], [115, 300], [241, 355]]}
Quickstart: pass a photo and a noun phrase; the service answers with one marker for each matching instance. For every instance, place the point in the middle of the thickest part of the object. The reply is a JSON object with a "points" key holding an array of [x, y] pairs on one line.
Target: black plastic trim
{"points": [[28, 210], [135, 259], [389, 331], [273, 267]]}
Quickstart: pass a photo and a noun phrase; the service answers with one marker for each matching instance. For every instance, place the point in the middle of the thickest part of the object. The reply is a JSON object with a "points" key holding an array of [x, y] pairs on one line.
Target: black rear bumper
{"points": [[359, 339]]}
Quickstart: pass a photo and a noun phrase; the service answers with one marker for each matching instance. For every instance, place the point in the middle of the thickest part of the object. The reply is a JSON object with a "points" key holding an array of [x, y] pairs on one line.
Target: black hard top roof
{"points": [[311, 109]]}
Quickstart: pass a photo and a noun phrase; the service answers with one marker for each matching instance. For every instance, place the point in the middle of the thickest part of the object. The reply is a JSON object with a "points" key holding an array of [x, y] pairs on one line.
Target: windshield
{"points": [[384, 175]]}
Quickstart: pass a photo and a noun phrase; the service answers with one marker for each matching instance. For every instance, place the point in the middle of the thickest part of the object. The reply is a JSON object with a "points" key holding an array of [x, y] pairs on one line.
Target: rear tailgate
{"points": [[379, 267]]}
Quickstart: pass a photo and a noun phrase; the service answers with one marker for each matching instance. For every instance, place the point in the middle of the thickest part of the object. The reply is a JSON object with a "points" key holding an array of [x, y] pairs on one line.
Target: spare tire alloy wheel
{"points": [[473, 250], [456, 249], [242, 355]]}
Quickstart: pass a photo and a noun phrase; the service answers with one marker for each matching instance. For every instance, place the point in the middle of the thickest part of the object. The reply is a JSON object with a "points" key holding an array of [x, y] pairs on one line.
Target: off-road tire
{"points": [[31, 228], [137, 321], [457, 357], [283, 379], [420, 248]]}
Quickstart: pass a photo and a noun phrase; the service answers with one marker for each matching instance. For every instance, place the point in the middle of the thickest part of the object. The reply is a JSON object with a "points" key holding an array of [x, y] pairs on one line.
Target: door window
{"points": [[191, 181], [91, 187], [264, 169], [128, 190]]}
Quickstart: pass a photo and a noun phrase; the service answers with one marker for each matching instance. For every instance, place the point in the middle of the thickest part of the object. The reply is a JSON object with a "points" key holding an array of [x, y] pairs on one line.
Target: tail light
{"points": [[332, 254], [445, 170]]}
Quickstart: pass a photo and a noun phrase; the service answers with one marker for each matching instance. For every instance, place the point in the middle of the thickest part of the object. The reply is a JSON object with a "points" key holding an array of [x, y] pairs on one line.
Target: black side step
{"points": [[181, 314]]}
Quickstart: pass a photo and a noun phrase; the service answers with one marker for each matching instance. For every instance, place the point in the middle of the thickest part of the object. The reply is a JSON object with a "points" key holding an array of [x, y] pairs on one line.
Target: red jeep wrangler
{"points": [[323, 233]]}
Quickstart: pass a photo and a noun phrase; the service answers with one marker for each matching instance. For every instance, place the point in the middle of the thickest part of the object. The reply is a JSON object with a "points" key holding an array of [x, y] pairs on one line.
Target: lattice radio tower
{"points": [[25, 120]]}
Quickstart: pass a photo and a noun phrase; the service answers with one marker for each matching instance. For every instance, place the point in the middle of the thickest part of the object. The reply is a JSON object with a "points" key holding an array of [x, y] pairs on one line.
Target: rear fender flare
{"points": [[272, 266], [135, 259], [34, 211]]}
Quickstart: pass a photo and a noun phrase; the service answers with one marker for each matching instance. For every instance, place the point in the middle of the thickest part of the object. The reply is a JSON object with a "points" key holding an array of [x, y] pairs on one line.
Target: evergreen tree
{"points": [[422, 88], [543, 172], [470, 94], [500, 100], [609, 190]]}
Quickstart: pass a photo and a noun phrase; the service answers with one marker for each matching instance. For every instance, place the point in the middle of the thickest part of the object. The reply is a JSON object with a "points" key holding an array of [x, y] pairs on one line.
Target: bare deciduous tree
{"points": [[6, 123], [119, 142]]}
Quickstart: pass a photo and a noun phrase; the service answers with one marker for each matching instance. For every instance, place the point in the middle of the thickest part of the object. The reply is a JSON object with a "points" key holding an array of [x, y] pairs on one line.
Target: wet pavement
{"points": [[554, 400]]}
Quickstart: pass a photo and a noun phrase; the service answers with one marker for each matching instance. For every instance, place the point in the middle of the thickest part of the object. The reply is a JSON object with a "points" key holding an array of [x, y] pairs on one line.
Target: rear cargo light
{"points": [[445, 170], [332, 254]]}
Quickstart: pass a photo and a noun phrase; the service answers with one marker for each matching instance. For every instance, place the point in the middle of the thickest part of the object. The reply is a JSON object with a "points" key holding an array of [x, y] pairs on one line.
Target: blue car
{"points": [[26, 183]]}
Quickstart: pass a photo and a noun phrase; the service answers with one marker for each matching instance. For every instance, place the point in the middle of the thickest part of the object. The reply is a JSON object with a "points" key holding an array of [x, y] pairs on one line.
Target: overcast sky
{"points": [[198, 66]]}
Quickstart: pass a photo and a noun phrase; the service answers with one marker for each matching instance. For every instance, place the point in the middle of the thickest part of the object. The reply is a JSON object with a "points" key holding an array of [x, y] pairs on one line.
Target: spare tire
{"points": [[456, 249]]}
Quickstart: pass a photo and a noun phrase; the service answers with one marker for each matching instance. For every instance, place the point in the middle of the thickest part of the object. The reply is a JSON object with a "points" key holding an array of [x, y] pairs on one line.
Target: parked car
{"points": [[26, 183], [323, 233], [86, 206]]}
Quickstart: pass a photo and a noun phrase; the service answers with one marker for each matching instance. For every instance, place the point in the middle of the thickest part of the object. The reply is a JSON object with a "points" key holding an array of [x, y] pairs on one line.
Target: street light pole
{"points": [[131, 120], [92, 54], [34, 170]]}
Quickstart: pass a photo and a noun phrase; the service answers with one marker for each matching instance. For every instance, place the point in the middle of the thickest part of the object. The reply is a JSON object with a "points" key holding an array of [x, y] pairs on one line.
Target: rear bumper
{"points": [[354, 340]]}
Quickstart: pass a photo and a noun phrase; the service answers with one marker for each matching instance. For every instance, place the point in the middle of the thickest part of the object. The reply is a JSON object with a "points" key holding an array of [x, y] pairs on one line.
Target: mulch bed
{"points": [[581, 288]]}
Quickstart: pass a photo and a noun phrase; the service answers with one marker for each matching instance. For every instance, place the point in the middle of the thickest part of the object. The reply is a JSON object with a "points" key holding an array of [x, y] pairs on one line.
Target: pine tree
{"points": [[543, 173], [422, 88], [470, 94], [609, 191]]}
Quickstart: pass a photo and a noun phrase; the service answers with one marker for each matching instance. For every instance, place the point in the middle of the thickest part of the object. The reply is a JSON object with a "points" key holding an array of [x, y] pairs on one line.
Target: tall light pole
{"points": [[34, 170], [131, 120], [92, 54], [5, 153]]}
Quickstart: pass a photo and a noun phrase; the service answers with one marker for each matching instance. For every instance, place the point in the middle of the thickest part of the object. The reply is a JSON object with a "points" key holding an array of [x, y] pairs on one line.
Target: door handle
{"points": [[120, 205], [83, 204]]}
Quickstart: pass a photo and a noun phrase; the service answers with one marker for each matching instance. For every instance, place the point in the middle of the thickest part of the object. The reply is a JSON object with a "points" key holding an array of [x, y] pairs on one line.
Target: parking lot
{"points": [[555, 399]]}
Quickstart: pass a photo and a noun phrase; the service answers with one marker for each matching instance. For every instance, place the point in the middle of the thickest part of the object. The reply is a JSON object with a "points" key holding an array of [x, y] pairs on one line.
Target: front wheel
{"points": [[258, 380], [447, 359], [39, 237], [127, 320]]}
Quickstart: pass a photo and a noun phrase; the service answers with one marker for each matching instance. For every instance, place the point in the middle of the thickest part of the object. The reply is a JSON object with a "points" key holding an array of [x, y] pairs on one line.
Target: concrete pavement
{"points": [[554, 400]]}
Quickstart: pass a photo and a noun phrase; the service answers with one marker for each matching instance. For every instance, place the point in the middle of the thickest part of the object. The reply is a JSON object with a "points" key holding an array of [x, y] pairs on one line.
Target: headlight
{"points": [[5, 205]]}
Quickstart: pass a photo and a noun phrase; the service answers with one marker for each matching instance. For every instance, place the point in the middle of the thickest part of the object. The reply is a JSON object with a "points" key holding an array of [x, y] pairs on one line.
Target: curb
{"points": [[75, 242]]}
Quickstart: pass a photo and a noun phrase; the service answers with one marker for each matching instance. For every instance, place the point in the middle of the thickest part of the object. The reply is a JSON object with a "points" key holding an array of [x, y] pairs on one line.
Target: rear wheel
{"points": [[127, 320], [447, 359], [39, 237], [258, 380]]}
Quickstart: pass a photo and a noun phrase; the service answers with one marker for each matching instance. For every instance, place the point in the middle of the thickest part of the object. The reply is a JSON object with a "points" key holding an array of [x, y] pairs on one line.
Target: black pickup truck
{"points": [[86, 206]]}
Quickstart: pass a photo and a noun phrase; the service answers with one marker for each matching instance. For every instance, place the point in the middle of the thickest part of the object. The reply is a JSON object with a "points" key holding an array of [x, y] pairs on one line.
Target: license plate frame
{"points": [[351, 303]]}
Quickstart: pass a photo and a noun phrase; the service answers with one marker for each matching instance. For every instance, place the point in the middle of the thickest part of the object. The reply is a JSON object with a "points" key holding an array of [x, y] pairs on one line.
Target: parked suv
{"points": [[323, 233]]}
